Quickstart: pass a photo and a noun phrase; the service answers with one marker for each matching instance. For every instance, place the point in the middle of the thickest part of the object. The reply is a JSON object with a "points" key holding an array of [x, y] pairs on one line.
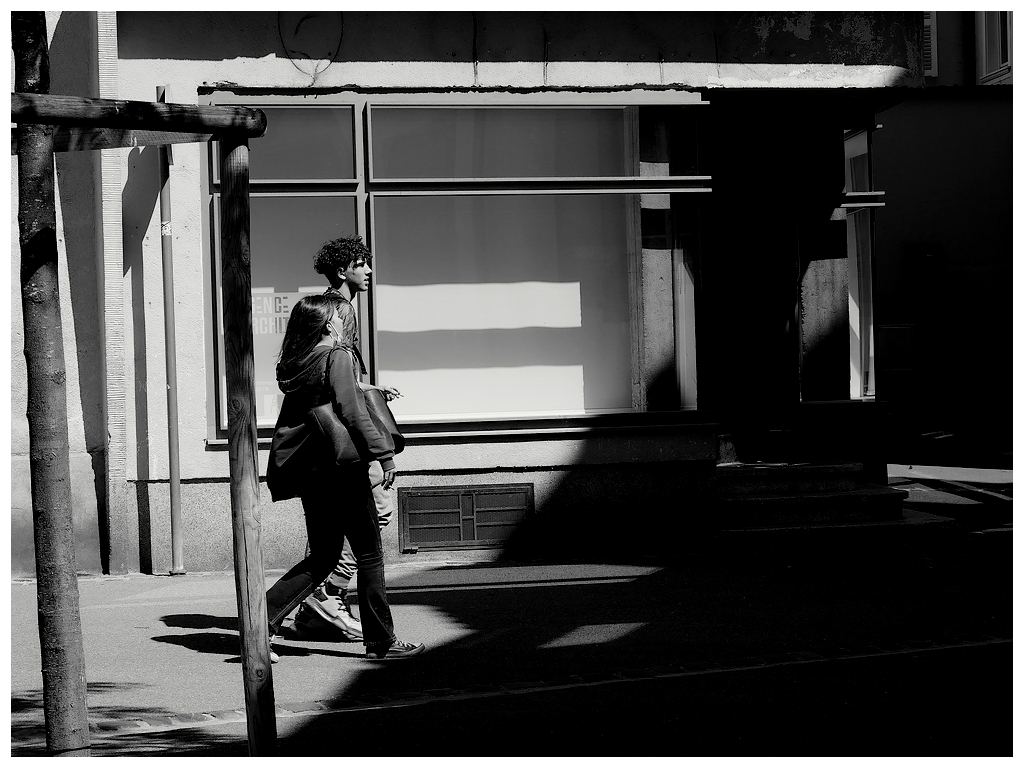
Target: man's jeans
{"points": [[337, 509]]}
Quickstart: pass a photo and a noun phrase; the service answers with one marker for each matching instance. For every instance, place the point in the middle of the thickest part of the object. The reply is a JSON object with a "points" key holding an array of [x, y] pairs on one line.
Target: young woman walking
{"points": [[314, 369]]}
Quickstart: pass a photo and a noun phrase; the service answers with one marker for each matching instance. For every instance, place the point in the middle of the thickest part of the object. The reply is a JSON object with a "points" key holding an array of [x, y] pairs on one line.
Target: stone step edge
{"points": [[863, 492], [909, 519], [739, 469]]}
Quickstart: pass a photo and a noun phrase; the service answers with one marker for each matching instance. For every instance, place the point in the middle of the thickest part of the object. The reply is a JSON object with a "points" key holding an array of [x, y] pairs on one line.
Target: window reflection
{"points": [[287, 230], [508, 350], [486, 142], [304, 143]]}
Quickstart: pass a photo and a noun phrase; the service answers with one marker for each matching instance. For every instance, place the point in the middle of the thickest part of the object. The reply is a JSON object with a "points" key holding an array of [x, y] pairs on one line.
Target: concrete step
{"points": [[864, 503], [911, 528], [737, 478]]}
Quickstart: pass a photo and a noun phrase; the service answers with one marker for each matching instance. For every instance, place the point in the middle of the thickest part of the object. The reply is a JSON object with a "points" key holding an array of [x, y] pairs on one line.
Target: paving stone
{"points": [[344, 703], [520, 686], [567, 680], [158, 721], [866, 650], [806, 656], [482, 688], [737, 663], [700, 666], [666, 669], [822, 653], [230, 714], [305, 706], [118, 725], [842, 653], [638, 672], [192, 718], [893, 646], [598, 677], [372, 699]]}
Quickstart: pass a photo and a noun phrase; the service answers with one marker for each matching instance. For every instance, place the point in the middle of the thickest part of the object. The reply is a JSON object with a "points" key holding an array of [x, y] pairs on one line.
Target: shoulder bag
{"points": [[383, 419], [333, 435]]}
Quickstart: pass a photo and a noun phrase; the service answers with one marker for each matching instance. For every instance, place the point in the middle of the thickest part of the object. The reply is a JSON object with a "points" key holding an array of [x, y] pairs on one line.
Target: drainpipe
{"points": [[177, 567]]}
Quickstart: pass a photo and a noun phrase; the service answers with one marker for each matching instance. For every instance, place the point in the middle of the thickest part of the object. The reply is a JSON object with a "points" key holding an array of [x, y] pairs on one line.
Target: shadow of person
{"points": [[227, 644], [219, 643], [200, 621]]}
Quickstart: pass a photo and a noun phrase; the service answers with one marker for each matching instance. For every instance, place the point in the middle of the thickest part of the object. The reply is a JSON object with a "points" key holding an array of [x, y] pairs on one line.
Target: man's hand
{"points": [[389, 479], [390, 393]]}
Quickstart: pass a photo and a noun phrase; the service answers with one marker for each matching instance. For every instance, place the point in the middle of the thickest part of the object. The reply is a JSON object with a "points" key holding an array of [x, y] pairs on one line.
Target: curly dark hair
{"points": [[339, 253]]}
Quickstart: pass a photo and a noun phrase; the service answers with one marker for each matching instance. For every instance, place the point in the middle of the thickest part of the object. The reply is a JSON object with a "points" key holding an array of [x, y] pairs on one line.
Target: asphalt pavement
{"points": [[851, 641]]}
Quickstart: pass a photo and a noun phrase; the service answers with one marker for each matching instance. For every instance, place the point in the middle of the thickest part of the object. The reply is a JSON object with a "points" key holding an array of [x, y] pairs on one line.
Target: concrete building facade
{"points": [[572, 216]]}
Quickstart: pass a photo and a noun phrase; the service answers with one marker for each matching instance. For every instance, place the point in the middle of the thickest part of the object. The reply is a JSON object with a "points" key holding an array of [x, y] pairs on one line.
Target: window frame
{"points": [[1003, 71], [859, 206], [362, 104]]}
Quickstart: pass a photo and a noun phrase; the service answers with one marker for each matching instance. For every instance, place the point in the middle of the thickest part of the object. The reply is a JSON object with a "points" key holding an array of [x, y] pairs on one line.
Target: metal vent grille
{"points": [[449, 517]]}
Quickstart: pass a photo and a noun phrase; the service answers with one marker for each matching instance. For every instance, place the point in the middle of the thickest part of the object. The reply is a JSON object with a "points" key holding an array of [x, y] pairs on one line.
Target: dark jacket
{"points": [[325, 375]]}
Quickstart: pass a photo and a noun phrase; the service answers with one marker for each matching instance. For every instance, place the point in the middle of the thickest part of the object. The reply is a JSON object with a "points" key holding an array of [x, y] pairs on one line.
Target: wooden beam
{"points": [[242, 458], [69, 139], [136, 115]]}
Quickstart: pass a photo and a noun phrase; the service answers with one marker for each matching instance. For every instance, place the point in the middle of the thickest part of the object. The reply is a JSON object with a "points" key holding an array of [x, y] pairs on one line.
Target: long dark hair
{"points": [[307, 325]]}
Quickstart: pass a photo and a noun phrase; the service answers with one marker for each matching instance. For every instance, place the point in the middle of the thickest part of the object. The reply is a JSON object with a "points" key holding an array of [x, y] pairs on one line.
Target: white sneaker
{"points": [[334, 609]]}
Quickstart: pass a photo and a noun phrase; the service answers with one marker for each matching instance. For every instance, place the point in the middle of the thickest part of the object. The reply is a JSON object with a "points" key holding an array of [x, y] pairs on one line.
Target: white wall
{"points": [[72, 70]]}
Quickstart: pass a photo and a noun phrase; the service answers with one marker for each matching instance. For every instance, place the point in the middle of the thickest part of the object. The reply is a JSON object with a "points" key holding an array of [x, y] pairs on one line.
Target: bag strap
{"points": [[327, 367], [359, 357]]}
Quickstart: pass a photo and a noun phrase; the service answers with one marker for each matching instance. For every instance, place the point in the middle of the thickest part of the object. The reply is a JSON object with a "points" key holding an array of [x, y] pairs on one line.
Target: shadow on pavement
{"points": [[200, 621], [973, 505], [221, 644], [735, 607], [28, 736]]}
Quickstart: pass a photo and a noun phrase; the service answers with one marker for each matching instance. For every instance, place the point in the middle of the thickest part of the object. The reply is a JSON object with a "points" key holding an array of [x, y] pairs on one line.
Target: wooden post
{"points": [[60, 627], [243, 468]]}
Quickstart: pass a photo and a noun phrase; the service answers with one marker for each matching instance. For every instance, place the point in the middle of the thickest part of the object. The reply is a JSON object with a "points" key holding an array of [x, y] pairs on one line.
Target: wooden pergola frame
{"points": [[89, 123]]}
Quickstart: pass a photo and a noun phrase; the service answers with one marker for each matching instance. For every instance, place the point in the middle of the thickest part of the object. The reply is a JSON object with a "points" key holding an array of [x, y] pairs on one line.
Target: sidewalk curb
{"points": [[691, 668]]}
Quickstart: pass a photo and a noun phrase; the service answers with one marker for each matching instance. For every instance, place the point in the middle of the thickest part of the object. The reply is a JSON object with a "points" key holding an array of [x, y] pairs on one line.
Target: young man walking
{"points": [[345, 262]]}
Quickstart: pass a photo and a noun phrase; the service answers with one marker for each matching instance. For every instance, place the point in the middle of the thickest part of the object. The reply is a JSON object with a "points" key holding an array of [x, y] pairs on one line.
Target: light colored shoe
{"points": [[274, 658], [310, 626], [334, 610]]}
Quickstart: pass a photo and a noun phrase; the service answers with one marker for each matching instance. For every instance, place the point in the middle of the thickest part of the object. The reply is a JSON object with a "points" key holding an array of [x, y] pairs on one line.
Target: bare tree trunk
{"points": [[60, 627]]}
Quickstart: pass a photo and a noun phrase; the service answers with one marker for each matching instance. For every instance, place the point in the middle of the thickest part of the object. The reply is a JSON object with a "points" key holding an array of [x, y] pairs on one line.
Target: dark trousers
{"points": [[336, 508]]}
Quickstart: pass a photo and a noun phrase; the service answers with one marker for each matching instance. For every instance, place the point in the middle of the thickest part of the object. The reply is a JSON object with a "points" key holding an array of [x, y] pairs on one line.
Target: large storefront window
{"points": [[508, 248], [503, 305]]}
